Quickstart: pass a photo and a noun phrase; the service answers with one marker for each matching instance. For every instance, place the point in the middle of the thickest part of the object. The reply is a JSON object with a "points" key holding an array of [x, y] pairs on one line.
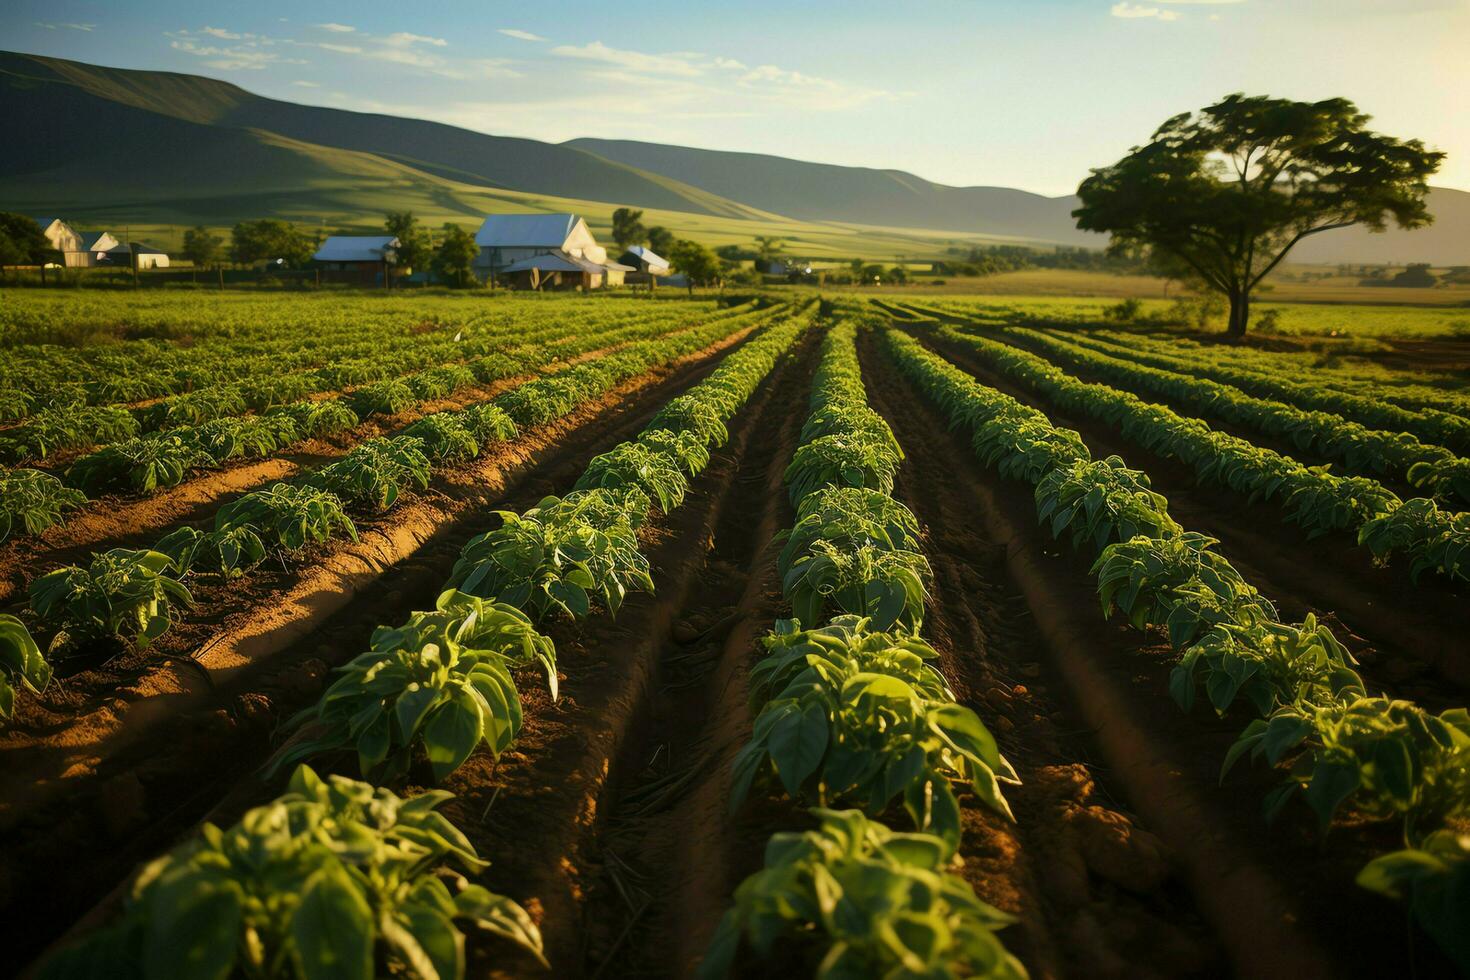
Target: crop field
{"points": [[441, 636]]}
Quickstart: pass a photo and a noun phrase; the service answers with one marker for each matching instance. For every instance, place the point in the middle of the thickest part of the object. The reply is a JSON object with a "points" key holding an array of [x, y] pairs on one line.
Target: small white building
{"points": [[144, 255], [646, 261], [65, 240], [541, 250], [97, 245]]}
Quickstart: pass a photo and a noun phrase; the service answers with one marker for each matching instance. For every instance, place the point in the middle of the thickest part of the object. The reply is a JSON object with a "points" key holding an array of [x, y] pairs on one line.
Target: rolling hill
{"points": [[161, 148]]}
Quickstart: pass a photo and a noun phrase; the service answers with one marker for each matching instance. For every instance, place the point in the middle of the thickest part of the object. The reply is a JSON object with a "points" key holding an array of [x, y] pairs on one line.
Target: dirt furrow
{"points": [[537, 813], [1260, 889], [1407, 636], [102, 784], [1097, 894]]}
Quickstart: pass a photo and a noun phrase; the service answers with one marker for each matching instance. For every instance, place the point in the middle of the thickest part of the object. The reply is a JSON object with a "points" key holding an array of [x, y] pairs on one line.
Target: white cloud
{"points": [[338, 48], [337, 28], [248, 54], [1132, 11], [403, 39], [66, 27], [656, 64], [799, 89], [303, 84], [520, 34]]}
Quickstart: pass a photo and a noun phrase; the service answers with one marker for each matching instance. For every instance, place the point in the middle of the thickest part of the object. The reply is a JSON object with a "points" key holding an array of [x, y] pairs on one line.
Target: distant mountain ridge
{"points": [[183, 148]]}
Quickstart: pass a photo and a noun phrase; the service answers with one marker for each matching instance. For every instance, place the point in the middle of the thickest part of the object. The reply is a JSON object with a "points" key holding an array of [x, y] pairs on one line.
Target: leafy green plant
{"points": [[122, 593], [1390, 758], [557, 556], [383, 398], [699, 417], [34, 501], [319, 418], [442, 680], [376, 472], [848, 518], [685, 448], [487, 423], [1098, 501], [287, 517], [245, 437], [633, 464], [333, 879], [1177, 582], [889, 586], [141, 465], [20, 660], [1268, 663], [195, 407], [444, 436], [1434, 879], [872, 903], [849, 713], [843, 460], [56, 429]]}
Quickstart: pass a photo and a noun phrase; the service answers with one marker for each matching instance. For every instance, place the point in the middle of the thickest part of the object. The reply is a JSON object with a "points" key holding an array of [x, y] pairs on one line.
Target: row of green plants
{"points": [[850, 709], [1400, 455], [276, 356], [1416, 391], [31, 500], [135, 595], [1265, 377], [1345, 751], [341, 877], [381, 381], [1428, 536]]}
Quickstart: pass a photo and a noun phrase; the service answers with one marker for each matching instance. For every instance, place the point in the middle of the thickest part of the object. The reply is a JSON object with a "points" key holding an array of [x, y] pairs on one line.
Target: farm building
{"points": [[540, 251], [144, 255], [643, 259], [65, 240], [357, 258], [97, 245]]}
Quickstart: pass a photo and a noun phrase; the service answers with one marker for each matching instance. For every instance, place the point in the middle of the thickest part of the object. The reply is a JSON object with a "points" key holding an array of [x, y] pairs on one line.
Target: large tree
{"points": [[699, 265], [22, 243], [660, 240], [202, 248], [268, 240], [627, 227], [413, 240], [454, 259], [1227, 192]]}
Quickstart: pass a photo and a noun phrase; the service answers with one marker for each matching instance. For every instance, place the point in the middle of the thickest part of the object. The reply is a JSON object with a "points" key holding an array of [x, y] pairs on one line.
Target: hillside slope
{"points": [[826, 192], [434, 148]]}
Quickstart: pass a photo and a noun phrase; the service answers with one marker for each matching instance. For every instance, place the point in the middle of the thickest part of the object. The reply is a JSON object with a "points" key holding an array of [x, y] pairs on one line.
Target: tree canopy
{"points": [[413, 239], [660, 240], [22, 242], [454, 259], [627, 227], [1227, 192], [268, 240], [694, 260], [202, 248]]}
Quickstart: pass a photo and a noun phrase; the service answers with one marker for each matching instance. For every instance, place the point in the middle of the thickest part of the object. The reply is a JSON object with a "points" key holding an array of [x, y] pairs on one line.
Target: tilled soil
{"points": [[1276, 899], [1409, 636], [118, 760]]}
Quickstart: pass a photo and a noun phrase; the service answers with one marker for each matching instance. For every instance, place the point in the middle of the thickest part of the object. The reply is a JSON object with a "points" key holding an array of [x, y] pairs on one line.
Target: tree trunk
{"points": [[1240, 314]]}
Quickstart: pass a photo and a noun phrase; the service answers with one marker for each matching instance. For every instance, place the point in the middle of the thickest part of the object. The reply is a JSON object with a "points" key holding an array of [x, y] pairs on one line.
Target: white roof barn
{"points": [[537, 249], [357, 248]]}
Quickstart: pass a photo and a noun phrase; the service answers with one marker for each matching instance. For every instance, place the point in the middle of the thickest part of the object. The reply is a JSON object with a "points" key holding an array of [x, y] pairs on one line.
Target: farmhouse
{"points": [[538, 251], [357, 258], [96, 245]]}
